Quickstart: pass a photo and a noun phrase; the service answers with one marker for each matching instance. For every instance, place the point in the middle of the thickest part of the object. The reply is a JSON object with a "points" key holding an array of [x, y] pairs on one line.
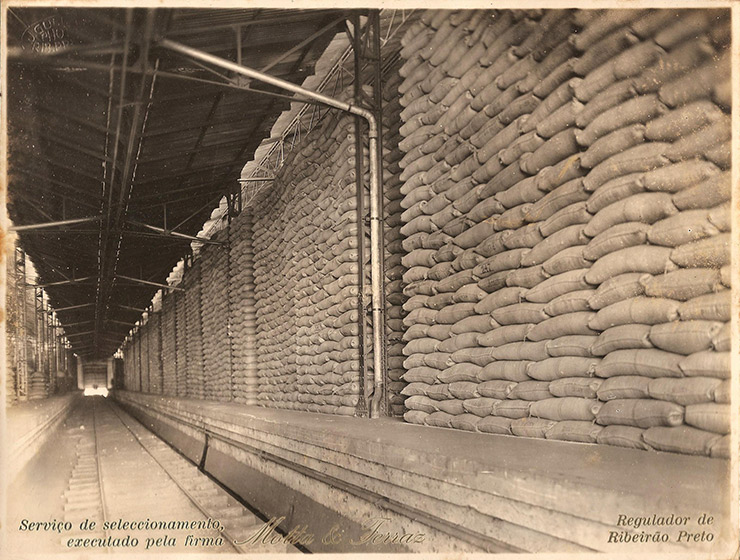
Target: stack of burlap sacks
{"points": [[243, 310], [136, 352], [394, 253], [128, 365], [144, 362], [275, 318], [145, 359], [154, 351], [194, 378], [181, 344], [306, 276], [154, 357], [567, 225], [169, 357], [215, 317]]}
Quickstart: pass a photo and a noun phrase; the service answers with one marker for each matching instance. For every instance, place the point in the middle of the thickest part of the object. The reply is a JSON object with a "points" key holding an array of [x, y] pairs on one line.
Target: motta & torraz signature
{"points": [[374, 533]]}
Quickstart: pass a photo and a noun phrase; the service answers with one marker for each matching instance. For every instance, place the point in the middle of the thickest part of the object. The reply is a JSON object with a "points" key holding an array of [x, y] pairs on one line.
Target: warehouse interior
{"points": [[395, 280]]}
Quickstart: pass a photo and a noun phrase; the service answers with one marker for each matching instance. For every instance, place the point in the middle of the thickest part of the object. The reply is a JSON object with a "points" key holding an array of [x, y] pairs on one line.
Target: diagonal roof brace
{"points": [[78, 334], [69, 307], [129, 308], [60, 223], [83, 280], [172, 233]]}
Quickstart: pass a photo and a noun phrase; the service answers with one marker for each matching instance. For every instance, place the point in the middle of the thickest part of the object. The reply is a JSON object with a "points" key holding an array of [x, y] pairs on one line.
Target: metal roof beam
{"points": [[190, 173], [161, 196], [33, 203], [66, 63], [117, 322], [56, 163], [112, 339], [81, 191], [75, 147], [198, 149], [70, 307], [227, 85], [59, 223], [78, 334], [58, 232], [86, 87], [171, 233], [180, 127], [198, 211], [129, 308], [77, 323], [83, 280], [153, 235], [307, 41], [191, 197], [68, 116], [102, 16], [105, 47]]}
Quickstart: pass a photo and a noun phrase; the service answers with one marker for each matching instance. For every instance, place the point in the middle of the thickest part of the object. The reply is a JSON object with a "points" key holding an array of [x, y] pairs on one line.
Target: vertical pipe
{"points": [[378, 404], [360, 193], [377, 270]]}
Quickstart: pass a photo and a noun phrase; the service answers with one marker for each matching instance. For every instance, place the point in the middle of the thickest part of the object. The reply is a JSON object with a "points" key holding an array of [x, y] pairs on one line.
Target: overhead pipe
{"points": [[376, 198]]}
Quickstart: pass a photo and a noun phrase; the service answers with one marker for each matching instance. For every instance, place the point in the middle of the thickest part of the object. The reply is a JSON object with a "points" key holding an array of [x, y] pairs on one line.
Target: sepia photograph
{"points": [[442, 280]]}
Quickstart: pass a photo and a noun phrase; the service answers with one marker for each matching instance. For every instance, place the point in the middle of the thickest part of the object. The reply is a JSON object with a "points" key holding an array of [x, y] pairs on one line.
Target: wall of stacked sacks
{"points": [[393, 240], [307, 276], [215, 326], [154, 353], [567, 232], [181, 345], [169, 345], [286, 282], [142, 346], [557, 190], [243, 310]]}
